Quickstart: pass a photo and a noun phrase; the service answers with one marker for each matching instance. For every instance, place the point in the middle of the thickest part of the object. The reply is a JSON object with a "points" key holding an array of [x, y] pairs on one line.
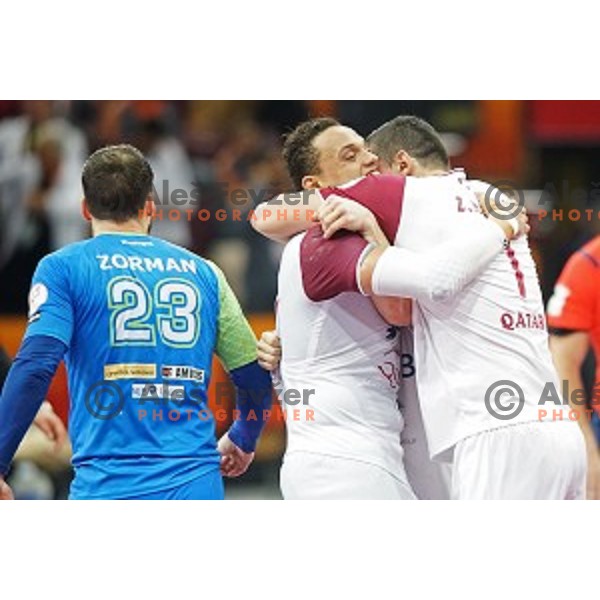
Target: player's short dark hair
{"points": [[116, 182], [299, 153], [413, 135]]}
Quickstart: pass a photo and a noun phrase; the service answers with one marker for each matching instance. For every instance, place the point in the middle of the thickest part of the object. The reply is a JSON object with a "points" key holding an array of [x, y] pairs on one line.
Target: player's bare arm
{"points": [[503, 205], [569, 352], [287, 214]]}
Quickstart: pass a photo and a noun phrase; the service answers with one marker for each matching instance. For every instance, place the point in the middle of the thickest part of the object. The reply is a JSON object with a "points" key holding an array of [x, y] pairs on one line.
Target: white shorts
{"points": [[527, 461], [308, 476]]}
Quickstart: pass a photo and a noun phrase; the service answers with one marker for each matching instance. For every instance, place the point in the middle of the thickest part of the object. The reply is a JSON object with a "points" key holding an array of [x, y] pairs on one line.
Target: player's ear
{"points": [[310, 182], [149, 206], [403, 163], [85, 211]]}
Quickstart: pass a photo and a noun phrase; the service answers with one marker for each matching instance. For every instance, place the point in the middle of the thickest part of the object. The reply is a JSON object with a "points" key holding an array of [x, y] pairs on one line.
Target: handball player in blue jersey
{"points": [[137, 321]]}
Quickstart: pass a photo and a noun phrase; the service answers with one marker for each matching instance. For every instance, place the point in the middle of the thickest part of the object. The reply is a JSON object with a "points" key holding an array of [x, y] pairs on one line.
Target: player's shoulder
{"points": [[204, 265], [376, 178], [437, 181], [368, 183], [65, 256], [489, 191], [591, 252], [175, 250], [585, 261], [392, 181], [479, 186], [172, 248]]}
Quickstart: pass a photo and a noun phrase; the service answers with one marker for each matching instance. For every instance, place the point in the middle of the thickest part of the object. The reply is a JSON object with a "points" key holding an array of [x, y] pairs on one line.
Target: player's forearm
{"points": [[436, 275], [395, 311], [236, 347], [24, 391], [569, 350], [286, 215], [584, 416], [253, 401]]}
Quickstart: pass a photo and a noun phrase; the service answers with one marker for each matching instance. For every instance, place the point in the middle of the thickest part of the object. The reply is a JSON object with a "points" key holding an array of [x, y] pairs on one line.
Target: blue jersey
{"points": [[141, 319]]}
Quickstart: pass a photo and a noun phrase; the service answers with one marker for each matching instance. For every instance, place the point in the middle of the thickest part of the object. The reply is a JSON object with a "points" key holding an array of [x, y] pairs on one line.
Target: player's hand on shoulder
{"points": [[506, 213], [269, 350], [234, 461], [341, 213], [51, 425], [5, 491], [523, 223]]}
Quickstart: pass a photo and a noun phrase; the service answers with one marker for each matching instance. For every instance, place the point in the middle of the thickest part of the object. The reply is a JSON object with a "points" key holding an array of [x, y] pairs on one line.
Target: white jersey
{"points": [[493, 331], [343, 350]]}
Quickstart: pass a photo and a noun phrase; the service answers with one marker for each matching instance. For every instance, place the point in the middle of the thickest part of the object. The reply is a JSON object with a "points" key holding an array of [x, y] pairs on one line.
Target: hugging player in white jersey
{"points": [[466, 344], [338, 343]]}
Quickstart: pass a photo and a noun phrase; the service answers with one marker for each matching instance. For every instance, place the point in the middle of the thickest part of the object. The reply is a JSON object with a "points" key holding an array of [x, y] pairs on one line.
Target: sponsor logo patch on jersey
{"points": [[37, 296], [182, 373], [523, 320], [162, 391], [129, 371]]}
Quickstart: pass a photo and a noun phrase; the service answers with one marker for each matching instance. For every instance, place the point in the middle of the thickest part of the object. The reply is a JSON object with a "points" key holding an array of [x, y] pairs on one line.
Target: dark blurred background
{"points": [[548, 149]]}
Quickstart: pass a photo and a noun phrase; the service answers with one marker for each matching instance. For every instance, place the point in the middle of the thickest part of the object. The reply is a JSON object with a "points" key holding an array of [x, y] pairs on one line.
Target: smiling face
{"points": [[342, 157]]}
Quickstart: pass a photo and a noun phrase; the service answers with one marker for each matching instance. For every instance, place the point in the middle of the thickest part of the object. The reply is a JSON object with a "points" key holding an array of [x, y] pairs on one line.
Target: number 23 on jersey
{"points": [[136, 315]]}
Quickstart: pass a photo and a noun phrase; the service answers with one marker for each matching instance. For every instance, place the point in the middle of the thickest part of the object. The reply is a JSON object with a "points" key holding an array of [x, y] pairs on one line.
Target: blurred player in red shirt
{"points": [[574, 321]]}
